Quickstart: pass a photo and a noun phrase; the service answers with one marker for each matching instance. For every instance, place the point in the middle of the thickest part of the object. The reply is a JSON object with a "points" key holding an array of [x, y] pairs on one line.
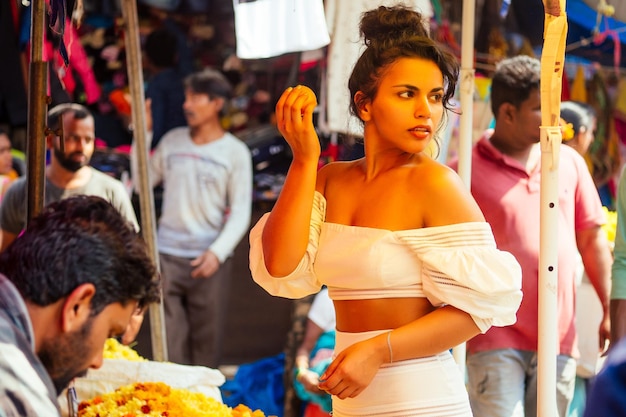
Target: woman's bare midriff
{"points": [[355, 316]]}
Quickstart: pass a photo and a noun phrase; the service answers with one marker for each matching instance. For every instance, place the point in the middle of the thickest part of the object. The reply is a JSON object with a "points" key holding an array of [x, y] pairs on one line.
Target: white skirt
{"points": [[431, 386]]}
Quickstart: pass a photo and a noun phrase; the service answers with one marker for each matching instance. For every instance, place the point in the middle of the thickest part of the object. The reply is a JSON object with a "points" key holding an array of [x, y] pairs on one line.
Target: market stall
{"points": [[268, 142], [127, 384]]}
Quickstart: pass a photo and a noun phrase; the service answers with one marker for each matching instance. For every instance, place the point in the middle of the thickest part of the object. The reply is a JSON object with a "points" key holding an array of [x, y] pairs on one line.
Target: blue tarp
{"points": [[529, 18], [582, 24]]}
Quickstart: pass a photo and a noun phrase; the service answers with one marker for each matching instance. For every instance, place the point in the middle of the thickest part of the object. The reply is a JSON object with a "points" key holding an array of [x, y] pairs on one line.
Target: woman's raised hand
{"points": [[294, 117]]}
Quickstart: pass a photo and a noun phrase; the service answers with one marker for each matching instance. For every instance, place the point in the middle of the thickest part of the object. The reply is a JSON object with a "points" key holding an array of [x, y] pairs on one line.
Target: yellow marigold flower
{"points": [[157, 399], [610, 226], [115, 350]]}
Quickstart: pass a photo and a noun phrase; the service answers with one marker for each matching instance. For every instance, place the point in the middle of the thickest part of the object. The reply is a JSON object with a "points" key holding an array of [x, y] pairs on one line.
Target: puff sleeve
{"points": [[462, 267], [302, 281]]}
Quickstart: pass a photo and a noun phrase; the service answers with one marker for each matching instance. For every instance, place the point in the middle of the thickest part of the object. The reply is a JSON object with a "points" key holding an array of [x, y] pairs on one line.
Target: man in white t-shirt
{"points": [[206, 173]]}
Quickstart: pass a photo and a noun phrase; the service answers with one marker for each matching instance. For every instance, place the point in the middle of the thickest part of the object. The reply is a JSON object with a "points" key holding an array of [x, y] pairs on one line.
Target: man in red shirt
{"points": [[506, 176]]}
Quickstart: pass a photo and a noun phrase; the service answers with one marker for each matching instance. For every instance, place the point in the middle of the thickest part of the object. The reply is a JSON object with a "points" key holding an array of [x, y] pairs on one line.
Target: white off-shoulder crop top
{"points": [[456, 264]]}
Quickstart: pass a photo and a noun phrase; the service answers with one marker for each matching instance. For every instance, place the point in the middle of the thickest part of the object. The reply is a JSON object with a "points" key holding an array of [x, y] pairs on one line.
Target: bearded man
{"points": [[67, 174]]}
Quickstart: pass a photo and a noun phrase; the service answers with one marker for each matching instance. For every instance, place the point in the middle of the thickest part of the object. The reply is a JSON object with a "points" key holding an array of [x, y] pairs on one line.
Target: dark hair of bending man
{"points": [[75, 277]]}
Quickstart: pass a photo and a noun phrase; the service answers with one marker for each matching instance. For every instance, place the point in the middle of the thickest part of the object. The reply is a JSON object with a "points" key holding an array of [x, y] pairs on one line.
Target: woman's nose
{"points": [[422, 108]]}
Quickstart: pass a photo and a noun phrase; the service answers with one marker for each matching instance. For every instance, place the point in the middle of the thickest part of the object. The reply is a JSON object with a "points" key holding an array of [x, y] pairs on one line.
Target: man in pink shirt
{"points": [[506, 176]]}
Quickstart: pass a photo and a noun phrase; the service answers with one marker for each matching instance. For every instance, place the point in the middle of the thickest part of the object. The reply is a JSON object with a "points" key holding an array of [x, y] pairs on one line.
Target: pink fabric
{"points": [[510, 200], [79, 63]]}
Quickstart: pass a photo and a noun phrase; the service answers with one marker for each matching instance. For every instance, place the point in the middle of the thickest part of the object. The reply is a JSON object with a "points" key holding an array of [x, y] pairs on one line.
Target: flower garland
{"points": [[159, 399]]}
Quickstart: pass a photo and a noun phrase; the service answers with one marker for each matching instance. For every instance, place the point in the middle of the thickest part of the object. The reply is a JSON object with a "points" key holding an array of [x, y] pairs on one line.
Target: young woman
{"points": [[580, 125], [404, 250]]}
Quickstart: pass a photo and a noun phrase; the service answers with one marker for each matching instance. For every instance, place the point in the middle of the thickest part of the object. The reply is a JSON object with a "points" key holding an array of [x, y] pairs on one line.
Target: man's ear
{"points": [[507, 112], [77, 307], [363, 106], [50, 137], [219, 103]]}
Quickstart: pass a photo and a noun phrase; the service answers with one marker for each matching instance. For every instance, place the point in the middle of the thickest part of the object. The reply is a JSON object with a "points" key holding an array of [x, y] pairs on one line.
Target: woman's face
{"points": [[407, 108], [6, 160], [586, 137]]}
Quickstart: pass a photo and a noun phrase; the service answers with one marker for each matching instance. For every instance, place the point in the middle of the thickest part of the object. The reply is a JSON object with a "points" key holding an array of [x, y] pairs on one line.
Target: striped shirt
{"points": [[25, 387]]}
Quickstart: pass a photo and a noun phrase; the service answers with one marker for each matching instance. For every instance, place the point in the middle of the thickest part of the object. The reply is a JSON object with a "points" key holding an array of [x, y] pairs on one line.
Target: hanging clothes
{"points": [[604, 151], [269, 28], [620, 103], [578, 90], [342, 18], [13, 98], [565, 90], [79, 65]]}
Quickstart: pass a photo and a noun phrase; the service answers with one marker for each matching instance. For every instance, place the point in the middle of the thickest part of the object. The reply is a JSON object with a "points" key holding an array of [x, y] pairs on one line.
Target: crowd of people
{"points": [[406, 261]]}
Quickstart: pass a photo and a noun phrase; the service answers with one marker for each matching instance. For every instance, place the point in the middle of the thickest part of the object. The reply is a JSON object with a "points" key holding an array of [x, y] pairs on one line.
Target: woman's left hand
{"points": [[353, 369]]}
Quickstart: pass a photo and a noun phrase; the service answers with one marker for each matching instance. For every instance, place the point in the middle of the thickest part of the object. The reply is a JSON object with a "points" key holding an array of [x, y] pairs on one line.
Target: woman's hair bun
{"points": [[391, 24]]}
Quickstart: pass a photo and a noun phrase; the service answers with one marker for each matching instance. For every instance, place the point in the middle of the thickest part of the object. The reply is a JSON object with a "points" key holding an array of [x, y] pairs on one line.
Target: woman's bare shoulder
{"points": [[450, 200], [333, 171]]}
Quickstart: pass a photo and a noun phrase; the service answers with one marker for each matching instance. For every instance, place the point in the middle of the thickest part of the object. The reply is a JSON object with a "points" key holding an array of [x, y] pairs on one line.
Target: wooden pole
{"points": [[146, 195], [37, 105]]}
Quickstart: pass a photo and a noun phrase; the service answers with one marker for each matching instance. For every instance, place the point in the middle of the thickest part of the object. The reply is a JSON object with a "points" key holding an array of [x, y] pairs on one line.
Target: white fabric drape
{"points": [[342, 19], [268, 28]]}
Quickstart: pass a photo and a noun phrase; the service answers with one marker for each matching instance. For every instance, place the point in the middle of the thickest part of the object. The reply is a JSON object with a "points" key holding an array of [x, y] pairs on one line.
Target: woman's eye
{"points": [[436, 98], [407, 94]]}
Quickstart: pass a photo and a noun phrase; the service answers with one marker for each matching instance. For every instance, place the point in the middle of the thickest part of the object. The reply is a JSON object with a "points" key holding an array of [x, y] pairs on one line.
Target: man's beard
{"points": [[67, 162], [65, 358]]}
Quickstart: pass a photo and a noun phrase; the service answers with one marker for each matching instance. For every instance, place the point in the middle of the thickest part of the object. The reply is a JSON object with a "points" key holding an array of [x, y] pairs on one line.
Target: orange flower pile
{"points": [[159, 399]]}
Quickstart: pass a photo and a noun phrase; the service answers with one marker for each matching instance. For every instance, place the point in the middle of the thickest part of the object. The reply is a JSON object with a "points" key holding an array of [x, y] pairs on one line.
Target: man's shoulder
{"points": [[475, 151], [574, 167], [569, 154], [175, 135], [18, 186], [15, 195], [15, 341], [25, 387], [232, 136], [236, 142], [104, 185], [102, 178]]}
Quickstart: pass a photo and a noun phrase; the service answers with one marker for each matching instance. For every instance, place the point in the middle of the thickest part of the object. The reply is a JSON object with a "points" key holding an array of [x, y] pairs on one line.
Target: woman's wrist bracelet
{"points": [[389, 346]]}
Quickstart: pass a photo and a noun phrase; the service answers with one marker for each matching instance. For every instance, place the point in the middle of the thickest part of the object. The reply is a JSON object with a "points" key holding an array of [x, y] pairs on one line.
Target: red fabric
{"points": [[313, 410], [620, 128], [15, 15], [565, 95]]}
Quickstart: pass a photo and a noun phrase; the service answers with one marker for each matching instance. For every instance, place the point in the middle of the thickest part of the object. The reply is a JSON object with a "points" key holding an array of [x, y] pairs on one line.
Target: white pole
{"points": [[552, 62], [466, 87]]}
